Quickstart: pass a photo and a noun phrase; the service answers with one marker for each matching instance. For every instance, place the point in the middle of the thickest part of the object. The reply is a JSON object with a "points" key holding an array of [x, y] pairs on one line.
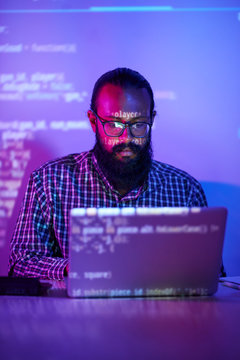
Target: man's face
{"points": [[124, 105], [124, 159]]}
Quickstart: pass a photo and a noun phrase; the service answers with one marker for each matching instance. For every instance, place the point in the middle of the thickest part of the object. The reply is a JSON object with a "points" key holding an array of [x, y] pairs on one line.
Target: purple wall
{"points": [[51, 55]]}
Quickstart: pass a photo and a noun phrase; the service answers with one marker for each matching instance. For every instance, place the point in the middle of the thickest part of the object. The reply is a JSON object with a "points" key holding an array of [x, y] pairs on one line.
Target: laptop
{"points": [[136, 252]]}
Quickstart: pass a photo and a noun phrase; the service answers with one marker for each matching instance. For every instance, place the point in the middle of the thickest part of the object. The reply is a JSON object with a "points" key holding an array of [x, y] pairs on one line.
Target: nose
{"points": [[127, 134]]}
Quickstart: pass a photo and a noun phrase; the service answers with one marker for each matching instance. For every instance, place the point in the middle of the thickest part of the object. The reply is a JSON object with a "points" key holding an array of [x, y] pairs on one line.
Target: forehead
{"points": [[113, 98]]}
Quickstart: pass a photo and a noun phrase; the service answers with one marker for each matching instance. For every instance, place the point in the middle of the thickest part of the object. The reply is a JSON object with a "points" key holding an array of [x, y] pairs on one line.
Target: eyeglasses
{"points": [[138, 129]]}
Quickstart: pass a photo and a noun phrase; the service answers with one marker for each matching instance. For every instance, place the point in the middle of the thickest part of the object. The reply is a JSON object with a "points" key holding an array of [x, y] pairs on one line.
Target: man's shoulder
{"points": [[68, 161], [179, 188], [165, 171]]}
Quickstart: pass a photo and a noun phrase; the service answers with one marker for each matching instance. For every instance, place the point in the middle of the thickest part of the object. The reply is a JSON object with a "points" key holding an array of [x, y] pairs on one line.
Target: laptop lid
{"points": [[117, 252]]}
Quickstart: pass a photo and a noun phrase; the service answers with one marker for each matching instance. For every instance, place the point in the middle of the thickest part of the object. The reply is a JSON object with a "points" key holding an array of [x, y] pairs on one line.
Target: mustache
{"points": [[120, 147]]}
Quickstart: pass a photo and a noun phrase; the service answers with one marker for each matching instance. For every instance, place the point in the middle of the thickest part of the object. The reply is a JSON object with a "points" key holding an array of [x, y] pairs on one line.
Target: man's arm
{"points": [[196, 196], [35, 251]]}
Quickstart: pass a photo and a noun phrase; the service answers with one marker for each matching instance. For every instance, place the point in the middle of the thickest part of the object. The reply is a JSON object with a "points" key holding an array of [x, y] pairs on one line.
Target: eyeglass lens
{"points": [[117, 128]]}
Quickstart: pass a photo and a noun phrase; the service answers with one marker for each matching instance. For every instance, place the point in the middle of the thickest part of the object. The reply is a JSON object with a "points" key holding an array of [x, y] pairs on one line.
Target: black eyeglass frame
{"points": [[125, 125]]}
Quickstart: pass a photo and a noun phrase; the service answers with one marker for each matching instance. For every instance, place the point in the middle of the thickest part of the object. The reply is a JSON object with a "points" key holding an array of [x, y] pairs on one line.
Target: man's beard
{"points": [[127, 174]]}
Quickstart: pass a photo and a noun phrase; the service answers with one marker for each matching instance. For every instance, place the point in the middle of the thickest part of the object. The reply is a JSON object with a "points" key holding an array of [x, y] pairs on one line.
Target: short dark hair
{"points": [[125, 78]]}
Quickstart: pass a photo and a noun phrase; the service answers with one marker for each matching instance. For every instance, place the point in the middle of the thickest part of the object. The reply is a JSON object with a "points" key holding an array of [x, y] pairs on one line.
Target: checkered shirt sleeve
{"points": [[34, 250]]}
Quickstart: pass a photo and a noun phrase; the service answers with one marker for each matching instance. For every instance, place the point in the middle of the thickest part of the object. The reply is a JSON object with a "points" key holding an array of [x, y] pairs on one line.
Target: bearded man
{"points": [[118, 172]]}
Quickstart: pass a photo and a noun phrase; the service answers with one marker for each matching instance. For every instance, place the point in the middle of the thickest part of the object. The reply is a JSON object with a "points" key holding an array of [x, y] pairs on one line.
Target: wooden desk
{"points": [[52, 328]]}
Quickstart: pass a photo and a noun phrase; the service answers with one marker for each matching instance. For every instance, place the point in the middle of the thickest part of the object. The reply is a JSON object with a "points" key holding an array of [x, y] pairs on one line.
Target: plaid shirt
{"points": [[39, 247]]}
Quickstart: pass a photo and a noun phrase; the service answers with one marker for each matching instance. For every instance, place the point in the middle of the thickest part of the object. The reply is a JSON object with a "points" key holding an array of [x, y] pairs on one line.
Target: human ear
{"points": [[92, 118], [153, 115]]}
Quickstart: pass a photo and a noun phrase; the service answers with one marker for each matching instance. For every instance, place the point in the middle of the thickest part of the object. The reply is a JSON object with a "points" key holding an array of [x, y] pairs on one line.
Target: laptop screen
{"points": [[145, 251]]}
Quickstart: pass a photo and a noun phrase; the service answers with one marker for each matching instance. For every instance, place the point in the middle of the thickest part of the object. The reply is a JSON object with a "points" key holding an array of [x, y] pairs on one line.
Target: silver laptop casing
{"points": [[116, 252]]}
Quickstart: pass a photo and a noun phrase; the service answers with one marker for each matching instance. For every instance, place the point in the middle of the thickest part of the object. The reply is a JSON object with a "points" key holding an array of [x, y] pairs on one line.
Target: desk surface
{"points": [[52, 328]]}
